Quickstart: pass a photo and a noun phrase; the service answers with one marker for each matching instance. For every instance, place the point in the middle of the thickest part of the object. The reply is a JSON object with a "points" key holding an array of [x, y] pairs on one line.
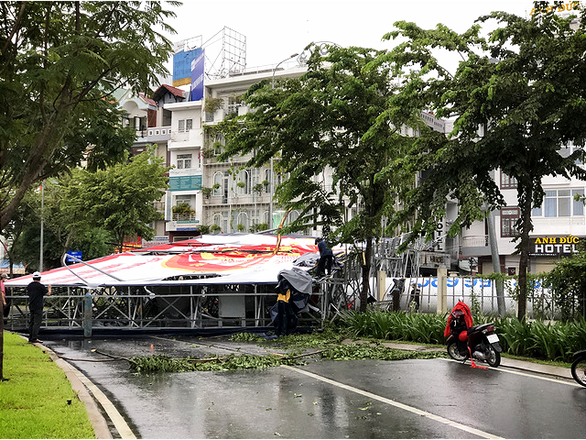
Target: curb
{"points": [[83, 387], [95, 416]]}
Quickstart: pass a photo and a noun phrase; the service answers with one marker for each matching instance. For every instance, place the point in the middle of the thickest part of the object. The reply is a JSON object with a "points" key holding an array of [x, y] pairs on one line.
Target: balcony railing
{"points": [[182, 217], [474, 241], [154, 134]]}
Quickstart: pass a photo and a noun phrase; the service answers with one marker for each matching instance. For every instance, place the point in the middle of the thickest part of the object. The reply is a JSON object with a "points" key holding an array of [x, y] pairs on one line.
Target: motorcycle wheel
{"points": [[579, 371], [494, 357], [455, 353]]}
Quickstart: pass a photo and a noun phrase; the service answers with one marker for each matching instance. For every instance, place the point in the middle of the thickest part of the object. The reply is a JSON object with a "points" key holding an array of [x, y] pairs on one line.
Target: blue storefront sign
{"points": [[76, 254]]}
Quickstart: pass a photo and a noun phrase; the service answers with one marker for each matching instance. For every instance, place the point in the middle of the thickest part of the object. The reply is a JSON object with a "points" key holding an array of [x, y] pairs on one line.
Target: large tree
{"points": [[120, 199], [60, 62], [517, 98], [63, 227], [333, 120]]}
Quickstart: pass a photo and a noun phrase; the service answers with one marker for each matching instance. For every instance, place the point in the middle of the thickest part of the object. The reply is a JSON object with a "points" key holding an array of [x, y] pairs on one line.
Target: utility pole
{"points": [[42, 227], [272, 180], [496, 263]]}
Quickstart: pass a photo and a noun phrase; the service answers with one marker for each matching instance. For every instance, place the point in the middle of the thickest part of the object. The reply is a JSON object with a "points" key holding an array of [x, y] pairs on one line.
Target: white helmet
{"points": [[37, 276]]}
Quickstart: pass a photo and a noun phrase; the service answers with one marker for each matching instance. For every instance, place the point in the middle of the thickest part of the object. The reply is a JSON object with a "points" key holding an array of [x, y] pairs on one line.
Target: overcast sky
{"points": [[278, 28]]}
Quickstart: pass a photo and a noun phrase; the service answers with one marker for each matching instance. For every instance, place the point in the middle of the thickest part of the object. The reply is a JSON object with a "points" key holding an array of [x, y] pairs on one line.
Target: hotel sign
{"points": [[554, 246]]}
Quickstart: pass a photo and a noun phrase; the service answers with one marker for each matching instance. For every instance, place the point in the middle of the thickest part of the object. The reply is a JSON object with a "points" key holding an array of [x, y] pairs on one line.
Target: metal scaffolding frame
{"points": [[160, 307], [176, 305]]}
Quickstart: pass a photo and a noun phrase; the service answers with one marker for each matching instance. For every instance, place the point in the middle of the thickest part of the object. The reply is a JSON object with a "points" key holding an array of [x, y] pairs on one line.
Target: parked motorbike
{"points": [[479, 342], [579, 367]]}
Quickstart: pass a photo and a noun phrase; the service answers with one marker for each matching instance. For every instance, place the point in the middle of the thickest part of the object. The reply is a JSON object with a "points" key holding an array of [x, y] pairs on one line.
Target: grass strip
{"points": [[37, 400]]}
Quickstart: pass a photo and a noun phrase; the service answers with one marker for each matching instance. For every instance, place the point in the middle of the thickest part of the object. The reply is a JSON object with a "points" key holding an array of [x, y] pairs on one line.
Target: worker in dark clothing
{"points": [[36, 292], [325, 258], [286, 319]]}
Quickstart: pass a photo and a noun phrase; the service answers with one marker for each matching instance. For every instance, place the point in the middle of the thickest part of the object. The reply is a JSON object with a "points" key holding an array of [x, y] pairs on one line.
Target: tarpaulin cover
{"points": [[462, 307], [214, 259]]}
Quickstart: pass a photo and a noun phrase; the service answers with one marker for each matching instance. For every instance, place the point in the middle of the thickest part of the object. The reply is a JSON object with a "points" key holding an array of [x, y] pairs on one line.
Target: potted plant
{"points": [[182, 212], [212, 104], [207, 191], [182, 208]]}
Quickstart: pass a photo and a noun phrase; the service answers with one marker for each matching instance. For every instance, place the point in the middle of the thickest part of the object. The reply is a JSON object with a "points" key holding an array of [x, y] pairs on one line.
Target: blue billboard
{"points": [[197, 75], [182, 66]]}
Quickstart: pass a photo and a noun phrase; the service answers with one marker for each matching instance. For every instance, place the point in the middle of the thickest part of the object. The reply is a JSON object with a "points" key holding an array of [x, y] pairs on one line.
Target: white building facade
{"points": [[225, 197]]}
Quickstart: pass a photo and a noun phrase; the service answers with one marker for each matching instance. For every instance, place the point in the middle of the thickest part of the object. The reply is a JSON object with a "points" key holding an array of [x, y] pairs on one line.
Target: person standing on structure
{"points": [[36, 291], [325, 258]]}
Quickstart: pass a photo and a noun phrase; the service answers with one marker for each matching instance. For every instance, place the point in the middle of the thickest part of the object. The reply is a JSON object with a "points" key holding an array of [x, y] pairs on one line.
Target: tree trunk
{"points": [[2, 344], [526, 228], [2, 347], [366, 275]]}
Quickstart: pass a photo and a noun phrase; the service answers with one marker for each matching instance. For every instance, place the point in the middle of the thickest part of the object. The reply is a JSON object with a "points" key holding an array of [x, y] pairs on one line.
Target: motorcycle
{"points": [[579, 367], [477, 342]]}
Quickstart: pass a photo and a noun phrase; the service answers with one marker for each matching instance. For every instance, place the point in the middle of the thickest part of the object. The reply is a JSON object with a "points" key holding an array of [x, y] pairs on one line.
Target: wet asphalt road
{"points": [[325, 399]]}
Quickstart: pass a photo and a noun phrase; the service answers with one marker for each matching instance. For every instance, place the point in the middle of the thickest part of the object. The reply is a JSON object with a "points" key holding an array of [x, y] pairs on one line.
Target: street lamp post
{"points": [[272, 181], [277, 66]]}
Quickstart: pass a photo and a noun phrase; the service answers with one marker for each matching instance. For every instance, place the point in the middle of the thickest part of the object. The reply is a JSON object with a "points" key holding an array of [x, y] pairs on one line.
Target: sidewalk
{"points": [[506, 362]]}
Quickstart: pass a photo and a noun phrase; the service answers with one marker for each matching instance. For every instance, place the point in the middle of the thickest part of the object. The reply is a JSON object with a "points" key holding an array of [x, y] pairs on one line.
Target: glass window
{"points": [[181, 127], [244, 182], [577, 205], [267, 181], [242, 221], [184, 199], [183, 161], [560, 203], [550, 204], [564, 203], [508, 182], [218, 182], [218, 143], [188, 124], [218, 219], [509, 218]]}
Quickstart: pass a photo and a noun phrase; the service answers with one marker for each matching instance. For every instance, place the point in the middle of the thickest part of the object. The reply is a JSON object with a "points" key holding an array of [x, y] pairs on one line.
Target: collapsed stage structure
{"points": [[210, 282]]}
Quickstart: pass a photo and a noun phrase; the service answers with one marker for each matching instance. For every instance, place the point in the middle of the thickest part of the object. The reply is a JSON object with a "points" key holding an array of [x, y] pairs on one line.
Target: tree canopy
{"points": [[344, 116], [93, 213], [517, 97], [120, 199], [60, 63]]}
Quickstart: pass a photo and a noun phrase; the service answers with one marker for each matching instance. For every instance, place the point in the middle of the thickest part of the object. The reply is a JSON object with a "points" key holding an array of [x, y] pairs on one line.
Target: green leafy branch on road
{"points": [[155, 364]]}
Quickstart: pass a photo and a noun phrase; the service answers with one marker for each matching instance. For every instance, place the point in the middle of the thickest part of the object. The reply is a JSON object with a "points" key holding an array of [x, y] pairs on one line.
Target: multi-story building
{"points": [[559, 225], [226, 197], [183, 212], [153, 127], [237, 198]]}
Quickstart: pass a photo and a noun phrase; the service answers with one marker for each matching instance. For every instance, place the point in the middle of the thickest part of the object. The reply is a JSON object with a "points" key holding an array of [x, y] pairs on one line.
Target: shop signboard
{"points": [[554, 245], [185, 183]]}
